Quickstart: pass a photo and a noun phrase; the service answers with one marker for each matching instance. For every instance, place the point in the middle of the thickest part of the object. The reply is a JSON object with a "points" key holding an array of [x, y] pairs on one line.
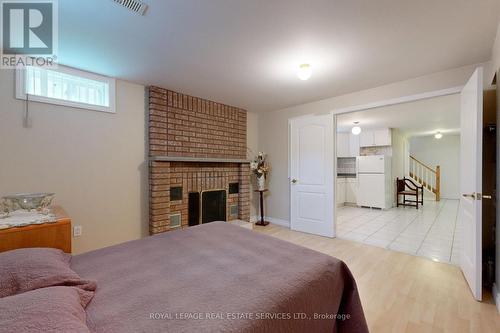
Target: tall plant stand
{"points": [[262, 222]]}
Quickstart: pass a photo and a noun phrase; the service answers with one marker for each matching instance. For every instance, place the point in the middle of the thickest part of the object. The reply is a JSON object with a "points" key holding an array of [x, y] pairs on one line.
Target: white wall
{"points": [[93, 161], [445, 153], [495, 57], [399, 156], [273, 125]]}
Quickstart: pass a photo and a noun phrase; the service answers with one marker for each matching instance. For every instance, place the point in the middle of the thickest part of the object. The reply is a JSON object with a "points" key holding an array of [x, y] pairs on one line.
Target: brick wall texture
{"points": [[182, 125], [186, 126]]}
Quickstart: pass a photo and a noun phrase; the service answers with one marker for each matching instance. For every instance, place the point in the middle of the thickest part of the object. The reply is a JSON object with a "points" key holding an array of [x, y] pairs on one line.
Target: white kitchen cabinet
{"points": [[366, 139], [347, 145], [343, 145], [351, 188], [353, 145], [346, 191], [375, 138], [382, 137], [340, 194]]}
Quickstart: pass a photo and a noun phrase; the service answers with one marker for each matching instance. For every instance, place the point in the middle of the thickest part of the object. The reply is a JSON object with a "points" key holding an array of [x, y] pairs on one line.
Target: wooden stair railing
{"points": [[429, 178]]}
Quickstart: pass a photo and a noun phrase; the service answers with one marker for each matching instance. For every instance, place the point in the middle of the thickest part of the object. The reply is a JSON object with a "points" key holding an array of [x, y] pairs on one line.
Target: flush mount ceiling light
{"points": [[438, 135], [304, 72], [356, 130]]}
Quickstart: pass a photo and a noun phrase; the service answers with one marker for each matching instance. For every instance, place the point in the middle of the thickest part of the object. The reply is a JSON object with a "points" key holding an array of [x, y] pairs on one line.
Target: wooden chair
{"points": [[407, 187]]}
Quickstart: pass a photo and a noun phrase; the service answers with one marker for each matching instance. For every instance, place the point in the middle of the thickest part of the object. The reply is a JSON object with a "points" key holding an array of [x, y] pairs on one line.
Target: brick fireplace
{"points": [[196, 146]]}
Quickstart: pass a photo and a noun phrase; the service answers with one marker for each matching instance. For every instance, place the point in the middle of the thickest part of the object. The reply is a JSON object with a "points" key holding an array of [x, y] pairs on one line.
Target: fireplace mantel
{"points": [[197, 159]]}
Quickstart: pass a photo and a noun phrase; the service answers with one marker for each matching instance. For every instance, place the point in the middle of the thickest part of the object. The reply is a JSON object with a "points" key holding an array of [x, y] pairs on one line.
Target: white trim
{"points": [[399, 100], [496, 296], [20, 90], [388, 102], [281, 222], [334, 203]]}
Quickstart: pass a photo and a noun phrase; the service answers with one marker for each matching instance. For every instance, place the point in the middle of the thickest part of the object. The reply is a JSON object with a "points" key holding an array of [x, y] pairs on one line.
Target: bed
{"points": [[218, 277]]}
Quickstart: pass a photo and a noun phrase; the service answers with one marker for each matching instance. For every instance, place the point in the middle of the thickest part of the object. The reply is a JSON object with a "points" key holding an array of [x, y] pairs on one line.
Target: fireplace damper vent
{"points": [[175, 220], [233, 211]]}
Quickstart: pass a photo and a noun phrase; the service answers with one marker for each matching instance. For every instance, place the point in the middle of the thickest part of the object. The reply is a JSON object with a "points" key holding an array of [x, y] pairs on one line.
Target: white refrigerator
{"points": [[374, 181]]}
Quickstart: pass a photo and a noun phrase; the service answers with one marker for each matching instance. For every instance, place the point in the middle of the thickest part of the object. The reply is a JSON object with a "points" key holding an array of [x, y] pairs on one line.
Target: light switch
{"points": [[77, 231]]}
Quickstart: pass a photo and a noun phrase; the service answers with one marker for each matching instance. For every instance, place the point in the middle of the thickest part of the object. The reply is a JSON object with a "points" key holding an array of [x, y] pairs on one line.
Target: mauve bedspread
{"points": [[218, 278]]}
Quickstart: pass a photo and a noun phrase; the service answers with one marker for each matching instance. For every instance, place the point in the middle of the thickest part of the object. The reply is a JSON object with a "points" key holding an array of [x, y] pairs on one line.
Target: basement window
{"points": [[66, 86]]}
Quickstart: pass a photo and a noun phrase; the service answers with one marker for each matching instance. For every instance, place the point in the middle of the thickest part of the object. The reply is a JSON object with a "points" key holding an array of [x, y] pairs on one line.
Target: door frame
{"points": [[344, 110], [399, 100]]}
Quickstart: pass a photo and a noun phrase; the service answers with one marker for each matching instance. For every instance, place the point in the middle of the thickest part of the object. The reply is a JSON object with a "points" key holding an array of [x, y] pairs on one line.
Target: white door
{"points": [[312, 201], [471, 144]]}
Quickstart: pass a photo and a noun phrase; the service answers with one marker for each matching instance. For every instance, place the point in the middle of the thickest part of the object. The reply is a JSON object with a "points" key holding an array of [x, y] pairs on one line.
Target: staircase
{"points": [[426, 176]]}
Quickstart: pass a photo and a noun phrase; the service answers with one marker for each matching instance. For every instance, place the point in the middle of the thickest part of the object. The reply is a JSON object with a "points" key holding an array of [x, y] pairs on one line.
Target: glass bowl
{"points": [[28, 201]]}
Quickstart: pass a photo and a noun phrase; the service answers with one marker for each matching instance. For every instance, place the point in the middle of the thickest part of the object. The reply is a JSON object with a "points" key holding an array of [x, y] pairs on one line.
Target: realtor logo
{"points": [[28, 32]]}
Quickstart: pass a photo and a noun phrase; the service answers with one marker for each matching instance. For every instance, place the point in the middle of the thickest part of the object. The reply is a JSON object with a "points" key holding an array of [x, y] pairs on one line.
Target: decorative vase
{"points": [[261, 183]]}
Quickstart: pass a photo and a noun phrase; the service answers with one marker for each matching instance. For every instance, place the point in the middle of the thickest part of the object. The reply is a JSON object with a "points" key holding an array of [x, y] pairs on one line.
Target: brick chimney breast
{"points": [[198, 145]]}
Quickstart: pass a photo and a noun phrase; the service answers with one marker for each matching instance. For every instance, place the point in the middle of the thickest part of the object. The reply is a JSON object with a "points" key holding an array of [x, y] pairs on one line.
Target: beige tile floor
{"points": [[432, 231]]}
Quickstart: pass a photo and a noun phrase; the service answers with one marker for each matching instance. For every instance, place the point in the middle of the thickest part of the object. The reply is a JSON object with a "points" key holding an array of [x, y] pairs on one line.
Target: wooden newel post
{"points": [[262, 222], [438, 183]]}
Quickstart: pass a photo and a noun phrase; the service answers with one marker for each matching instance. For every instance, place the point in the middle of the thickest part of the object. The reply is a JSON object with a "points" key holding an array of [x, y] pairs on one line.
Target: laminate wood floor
{"points": [[401, 292]]}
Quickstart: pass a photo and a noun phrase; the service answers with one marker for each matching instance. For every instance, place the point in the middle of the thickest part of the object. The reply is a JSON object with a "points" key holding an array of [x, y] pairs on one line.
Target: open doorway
{"points": [[420, 141], [417, 143], [377, 142]]}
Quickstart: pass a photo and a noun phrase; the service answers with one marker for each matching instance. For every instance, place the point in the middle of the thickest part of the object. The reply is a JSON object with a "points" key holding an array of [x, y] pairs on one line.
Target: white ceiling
{"points": [[417, 118], [245, 52]]}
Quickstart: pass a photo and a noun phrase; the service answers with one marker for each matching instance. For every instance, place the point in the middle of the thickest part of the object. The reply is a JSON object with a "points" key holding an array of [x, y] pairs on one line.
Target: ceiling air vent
{"points": [[136, 6]]}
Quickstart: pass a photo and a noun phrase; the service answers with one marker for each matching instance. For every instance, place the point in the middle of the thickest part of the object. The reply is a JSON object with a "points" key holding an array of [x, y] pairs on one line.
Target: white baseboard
{"points": [[496, 296], [281, 222]]}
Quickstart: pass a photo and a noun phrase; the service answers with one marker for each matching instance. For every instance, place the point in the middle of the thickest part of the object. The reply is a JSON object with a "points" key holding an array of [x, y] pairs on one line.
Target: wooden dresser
{"points": [[56, 235]]}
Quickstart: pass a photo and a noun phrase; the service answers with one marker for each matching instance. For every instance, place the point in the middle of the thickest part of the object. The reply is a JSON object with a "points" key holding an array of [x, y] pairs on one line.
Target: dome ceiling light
{"points": [[356, 130], [304, 73]]}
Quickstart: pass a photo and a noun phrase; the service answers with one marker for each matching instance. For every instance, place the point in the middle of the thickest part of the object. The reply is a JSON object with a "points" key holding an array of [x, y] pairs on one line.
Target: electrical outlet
{"points": [[77, 231]]}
